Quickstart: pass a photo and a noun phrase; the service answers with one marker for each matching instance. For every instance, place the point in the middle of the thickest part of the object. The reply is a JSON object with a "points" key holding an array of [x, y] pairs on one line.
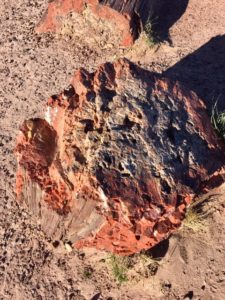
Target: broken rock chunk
{"points": [[125, 18], [119, 156]]}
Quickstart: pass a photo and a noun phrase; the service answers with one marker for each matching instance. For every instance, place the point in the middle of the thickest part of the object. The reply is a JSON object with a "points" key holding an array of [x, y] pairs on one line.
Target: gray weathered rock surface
{"points": [[122, 153]]}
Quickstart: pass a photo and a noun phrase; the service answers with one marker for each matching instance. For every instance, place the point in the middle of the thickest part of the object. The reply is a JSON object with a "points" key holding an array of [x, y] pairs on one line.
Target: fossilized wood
{"points": [[121, 154], [128, 17]]}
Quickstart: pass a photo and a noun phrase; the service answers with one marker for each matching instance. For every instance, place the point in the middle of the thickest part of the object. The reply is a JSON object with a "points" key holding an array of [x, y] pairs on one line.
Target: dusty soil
{"points": [[32, 67]]}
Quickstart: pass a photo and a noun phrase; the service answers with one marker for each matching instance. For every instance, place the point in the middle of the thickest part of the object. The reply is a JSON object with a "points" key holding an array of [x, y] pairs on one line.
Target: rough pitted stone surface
{"points": [[127, 18], [120, 155]]}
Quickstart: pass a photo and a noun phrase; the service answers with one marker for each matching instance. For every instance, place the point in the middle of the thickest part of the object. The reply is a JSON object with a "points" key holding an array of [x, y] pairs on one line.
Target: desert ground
{"points": [[190, 265]]}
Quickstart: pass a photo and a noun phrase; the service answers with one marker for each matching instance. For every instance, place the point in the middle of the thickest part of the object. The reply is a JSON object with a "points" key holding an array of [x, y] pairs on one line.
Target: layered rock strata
{"points": [[119, 156], [126, 18]]}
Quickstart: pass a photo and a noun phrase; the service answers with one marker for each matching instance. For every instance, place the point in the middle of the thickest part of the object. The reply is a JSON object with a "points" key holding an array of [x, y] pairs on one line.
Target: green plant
{"points": [[119, 267], [151, 36], [218, 120]]}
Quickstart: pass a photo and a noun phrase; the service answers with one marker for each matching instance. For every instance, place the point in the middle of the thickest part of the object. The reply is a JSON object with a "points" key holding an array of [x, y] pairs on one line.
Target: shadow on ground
{"points": [[203, 71], [160, 250], [170, 13]]}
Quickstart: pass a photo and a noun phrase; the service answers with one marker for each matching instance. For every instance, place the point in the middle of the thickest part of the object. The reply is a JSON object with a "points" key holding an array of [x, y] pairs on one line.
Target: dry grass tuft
{"points": [[152, 38], [218, 120], [196, 215]]}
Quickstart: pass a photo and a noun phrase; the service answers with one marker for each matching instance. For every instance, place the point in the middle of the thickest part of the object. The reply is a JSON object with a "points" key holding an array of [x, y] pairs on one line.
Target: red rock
{"points": [[126, 17], [121, 154]]}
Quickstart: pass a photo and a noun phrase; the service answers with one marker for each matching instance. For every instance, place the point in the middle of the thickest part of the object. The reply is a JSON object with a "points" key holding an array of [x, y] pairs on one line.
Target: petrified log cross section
{"points": [[127, 16], [117, 160]]}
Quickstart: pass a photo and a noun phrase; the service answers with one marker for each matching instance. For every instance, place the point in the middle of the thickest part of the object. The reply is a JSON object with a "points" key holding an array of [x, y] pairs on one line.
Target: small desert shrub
{"points": [[193, 220], [119, 266], [196, 215], [218, 120], [151, 35], [133, 268]]}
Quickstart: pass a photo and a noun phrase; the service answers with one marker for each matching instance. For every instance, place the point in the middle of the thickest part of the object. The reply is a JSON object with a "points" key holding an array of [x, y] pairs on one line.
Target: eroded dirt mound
{"points": [[120, 155]]}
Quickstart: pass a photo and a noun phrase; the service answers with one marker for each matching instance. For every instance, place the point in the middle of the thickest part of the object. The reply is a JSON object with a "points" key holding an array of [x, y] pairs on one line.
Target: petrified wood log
{"points": [[120, 155], [127, 17]]}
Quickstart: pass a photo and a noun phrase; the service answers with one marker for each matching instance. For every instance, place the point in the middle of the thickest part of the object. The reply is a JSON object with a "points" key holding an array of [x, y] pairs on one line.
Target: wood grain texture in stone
{"points": [[121, 154]]}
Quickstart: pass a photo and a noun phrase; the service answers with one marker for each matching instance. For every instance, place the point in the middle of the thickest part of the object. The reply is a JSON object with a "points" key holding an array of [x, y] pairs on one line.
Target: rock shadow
{"points": [[170, 12], [203, 72], [159, 251], [162, 14]]}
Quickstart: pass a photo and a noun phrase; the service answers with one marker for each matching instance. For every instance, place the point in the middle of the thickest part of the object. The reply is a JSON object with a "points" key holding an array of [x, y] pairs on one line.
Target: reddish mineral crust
{"points": [[127, 17], [121, 154]]}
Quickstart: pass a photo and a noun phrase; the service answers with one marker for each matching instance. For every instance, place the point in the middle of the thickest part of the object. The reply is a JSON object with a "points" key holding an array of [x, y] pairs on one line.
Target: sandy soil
{"points": [[32, 67]]}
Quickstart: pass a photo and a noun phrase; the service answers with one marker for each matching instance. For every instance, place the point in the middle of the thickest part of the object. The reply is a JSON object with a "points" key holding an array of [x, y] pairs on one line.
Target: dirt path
{"points": [[34, 67]]}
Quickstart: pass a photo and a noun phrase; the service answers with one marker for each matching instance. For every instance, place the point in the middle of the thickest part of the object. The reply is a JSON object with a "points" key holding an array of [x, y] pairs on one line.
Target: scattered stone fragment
{"points": [[68, 247]]}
